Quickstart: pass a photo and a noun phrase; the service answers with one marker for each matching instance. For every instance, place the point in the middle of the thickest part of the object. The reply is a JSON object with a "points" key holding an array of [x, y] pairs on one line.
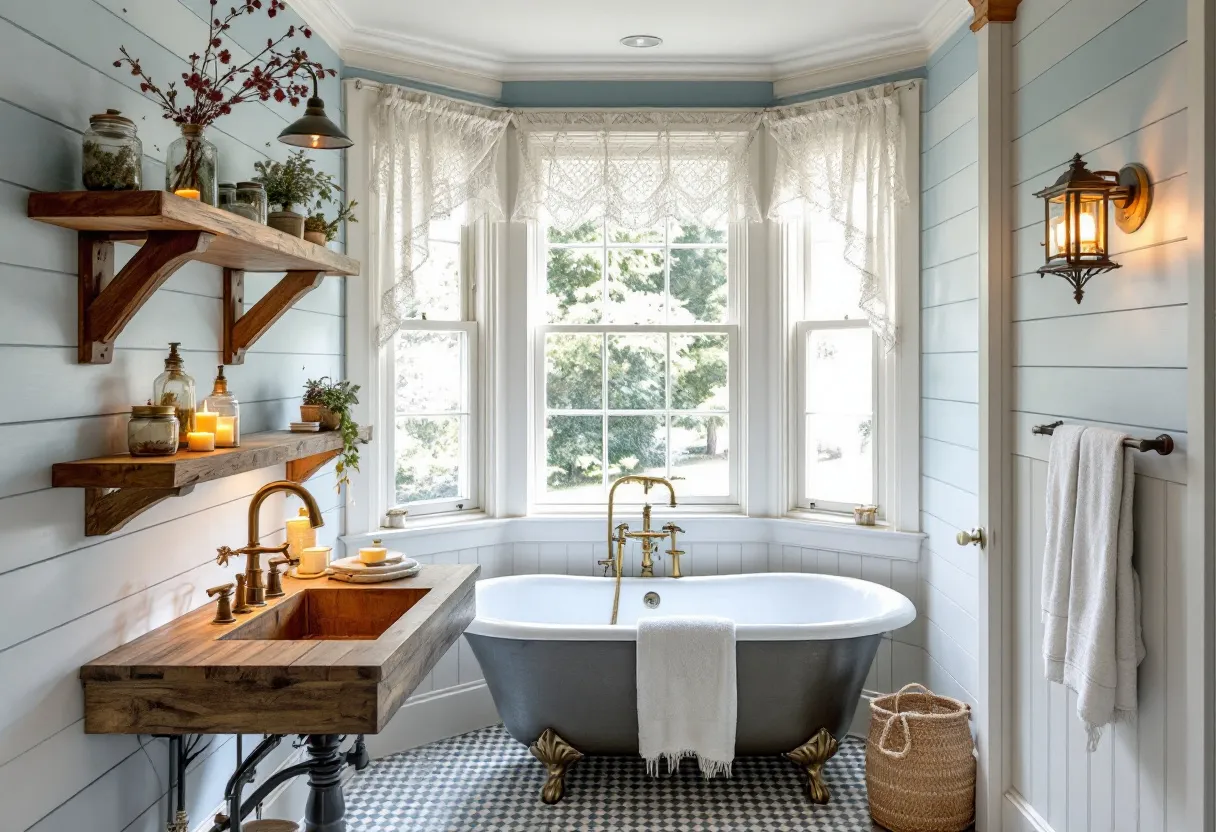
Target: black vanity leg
{"points": [[326, 807]]}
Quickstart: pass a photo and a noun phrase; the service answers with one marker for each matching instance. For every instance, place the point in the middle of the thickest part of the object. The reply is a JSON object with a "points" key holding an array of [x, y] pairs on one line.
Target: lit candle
{"points": [[188, 193], [205, 421], [197, 440], [225, 432]]}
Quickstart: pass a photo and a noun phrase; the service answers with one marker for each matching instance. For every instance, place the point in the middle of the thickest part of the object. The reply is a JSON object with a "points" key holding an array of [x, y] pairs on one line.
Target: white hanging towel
{"points": [[687, 692], [1091, 593]]}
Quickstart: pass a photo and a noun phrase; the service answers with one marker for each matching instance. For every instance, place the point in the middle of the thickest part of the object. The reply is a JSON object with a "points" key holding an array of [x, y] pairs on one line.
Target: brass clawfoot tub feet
{"points": [[557, 755], [812, 755]]}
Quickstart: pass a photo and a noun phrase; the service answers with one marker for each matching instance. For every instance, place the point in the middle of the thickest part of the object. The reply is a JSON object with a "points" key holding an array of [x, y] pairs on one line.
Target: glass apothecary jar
{"points": [[111, 154], [227, 195], [190, 169], [174, 388], [222, 407], [152, 431], [251, 198]]}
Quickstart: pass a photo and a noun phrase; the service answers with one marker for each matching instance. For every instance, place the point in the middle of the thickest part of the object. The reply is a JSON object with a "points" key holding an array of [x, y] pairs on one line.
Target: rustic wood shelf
{"points": [[119, 488], [173, 231]]}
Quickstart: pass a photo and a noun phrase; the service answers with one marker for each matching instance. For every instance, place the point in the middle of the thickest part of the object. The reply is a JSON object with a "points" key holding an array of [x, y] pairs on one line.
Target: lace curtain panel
{"points": [[635, 169], [430, 156], [843, 157]]}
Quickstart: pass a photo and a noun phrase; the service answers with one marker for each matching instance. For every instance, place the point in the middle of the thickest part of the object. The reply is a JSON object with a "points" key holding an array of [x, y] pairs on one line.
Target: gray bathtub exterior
{"points": [[586, 691]]}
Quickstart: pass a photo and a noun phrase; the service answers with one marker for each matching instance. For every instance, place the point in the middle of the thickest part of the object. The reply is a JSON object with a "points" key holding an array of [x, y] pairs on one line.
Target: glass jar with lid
{"points": [[223, 407], [112, 153], [251, 196], [152, 430], [227, 195], [174, 388]]}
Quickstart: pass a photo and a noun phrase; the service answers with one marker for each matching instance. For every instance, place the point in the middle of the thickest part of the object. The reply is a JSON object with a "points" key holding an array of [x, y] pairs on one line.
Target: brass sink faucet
{"points": [[618, 536], [255, 589]]}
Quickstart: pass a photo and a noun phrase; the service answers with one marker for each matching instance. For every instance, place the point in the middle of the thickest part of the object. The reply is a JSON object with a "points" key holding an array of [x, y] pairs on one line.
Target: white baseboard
{"points": [[1020, 816], [436, 716]]}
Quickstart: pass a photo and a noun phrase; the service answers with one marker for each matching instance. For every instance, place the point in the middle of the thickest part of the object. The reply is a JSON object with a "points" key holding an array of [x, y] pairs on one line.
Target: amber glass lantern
{"points": [[1078, 219]]}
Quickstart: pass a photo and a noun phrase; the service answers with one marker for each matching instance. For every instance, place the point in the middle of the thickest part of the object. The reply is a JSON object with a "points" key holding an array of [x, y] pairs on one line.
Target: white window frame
{"points": [[736, 276]]}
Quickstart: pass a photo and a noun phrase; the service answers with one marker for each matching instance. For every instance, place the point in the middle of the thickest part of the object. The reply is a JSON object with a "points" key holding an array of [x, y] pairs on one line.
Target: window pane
{"points": [[437, 283], [574, 371], [637, 372], [637, 445], [833, 285], [636, 286], [692, 232], [647, 236], [700, 453], [431, 372], [699, 372], [574, 294], [698, 285], [840, 421], [588, 232], [575, 458], [431, 458]]}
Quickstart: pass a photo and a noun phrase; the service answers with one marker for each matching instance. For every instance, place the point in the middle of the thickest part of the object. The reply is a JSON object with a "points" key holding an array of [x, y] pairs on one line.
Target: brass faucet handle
{"points": [[672, 527], [275, 563], [224, 553], [223, 608], [264, 550], [274, 581], [222, 591]]}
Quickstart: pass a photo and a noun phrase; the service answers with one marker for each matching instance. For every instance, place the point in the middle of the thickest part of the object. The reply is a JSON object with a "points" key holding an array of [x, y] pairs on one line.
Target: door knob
{"points": [[975, 537]]}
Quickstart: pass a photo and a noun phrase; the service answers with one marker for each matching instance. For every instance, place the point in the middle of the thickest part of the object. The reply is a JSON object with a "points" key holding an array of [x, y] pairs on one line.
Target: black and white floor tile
{"points": [[487, 781]]}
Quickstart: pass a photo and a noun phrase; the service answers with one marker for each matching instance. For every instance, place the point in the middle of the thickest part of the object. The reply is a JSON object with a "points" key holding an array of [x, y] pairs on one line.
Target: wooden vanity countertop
{"points": [[186, 677]]}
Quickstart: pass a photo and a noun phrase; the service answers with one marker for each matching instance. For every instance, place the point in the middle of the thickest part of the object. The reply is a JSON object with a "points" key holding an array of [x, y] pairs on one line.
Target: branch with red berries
{"points": [[215, 84]]}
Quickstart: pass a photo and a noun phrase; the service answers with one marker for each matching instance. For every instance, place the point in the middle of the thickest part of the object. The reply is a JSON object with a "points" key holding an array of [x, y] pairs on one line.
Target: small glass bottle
{"points": [[152, 431], [227, 409], [173, 388], [112, 153], [190, 170], [251, 197]]}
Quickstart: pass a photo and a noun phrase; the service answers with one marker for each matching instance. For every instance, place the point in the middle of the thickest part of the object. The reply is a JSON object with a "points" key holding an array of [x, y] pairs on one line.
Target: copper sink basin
{"points": [[330, 614]]}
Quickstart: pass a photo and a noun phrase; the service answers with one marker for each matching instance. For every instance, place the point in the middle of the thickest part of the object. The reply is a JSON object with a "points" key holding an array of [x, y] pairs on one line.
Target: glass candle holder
{"points": [[222, 406], [190, 169]]}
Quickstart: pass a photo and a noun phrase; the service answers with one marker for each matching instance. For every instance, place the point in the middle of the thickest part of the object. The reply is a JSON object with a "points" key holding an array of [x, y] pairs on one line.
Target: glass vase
{"points": [[190, 169], [174, 388]]}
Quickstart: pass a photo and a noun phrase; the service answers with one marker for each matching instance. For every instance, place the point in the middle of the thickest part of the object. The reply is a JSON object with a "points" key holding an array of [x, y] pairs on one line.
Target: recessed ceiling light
{"points": [[641, 41]]}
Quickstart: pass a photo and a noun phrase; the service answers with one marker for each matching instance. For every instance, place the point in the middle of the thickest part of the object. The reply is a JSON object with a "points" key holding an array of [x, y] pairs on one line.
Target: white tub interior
{"points": [[765, 607]]}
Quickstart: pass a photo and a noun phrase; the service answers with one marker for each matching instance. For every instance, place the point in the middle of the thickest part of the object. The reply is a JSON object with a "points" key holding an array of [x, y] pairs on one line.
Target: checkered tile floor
{"points": [[487, 781]]}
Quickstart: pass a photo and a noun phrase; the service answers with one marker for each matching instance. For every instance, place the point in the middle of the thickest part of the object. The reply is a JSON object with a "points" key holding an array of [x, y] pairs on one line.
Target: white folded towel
{"points": [[687, 692], [1091, 593]]}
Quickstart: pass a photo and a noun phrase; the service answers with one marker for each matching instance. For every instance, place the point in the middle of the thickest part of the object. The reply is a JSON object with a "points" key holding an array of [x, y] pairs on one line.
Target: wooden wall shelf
{"points": [[119, 488], [172, 231]]}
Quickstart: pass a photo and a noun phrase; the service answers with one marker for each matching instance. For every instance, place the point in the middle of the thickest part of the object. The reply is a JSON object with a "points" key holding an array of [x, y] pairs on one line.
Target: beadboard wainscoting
{"points": [[950, 358], [70, 598], [1107, 79]]}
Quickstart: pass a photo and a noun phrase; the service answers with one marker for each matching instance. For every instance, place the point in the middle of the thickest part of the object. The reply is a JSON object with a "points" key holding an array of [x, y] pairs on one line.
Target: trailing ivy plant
{"points": [[338, 397]]}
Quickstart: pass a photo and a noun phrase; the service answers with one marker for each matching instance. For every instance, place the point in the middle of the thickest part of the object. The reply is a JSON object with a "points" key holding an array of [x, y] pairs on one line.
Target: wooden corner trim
{"points": [[993, 11]]}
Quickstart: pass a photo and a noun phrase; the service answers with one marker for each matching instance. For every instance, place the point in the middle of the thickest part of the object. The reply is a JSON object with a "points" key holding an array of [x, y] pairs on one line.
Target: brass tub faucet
{"points": [[255, 589], [618, 536]]}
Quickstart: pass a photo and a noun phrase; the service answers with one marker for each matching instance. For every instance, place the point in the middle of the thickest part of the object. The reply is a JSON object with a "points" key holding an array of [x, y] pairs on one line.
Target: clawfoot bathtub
{"points": [[564, 680]]}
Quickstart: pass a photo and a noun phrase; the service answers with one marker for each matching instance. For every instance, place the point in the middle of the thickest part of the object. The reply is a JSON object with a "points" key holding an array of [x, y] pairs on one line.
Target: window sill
{"points": [[432, 535]]}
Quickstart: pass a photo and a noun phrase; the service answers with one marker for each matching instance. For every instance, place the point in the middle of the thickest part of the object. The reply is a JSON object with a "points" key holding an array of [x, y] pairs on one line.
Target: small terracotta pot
{"points": [[319, 413], [289, 222], [315, 237]]}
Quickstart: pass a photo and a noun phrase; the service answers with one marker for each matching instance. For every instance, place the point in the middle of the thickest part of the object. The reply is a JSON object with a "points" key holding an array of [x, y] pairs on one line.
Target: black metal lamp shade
{"points": [[1078, 219], [315, 130]]}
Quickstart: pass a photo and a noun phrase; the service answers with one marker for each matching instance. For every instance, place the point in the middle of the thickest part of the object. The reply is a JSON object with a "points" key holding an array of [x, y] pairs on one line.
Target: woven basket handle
{"points": [[886, 731], [910, 687]]}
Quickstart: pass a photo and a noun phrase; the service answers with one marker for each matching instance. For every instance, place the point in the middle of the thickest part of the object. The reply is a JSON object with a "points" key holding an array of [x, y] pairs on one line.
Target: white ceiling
{"points": [[528, 39]]}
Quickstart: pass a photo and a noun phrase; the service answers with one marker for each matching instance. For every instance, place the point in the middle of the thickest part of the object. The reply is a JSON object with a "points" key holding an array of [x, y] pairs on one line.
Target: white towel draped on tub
{"points": [[687, 692], [1091, 594]]}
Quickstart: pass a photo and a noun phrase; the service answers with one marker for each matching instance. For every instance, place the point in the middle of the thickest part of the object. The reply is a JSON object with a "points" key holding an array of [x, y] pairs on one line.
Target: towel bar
{"points": [[1163, 444]]}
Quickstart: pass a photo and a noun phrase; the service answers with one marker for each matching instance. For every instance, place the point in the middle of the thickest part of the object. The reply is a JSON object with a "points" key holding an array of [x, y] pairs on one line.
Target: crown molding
{"points": [[944, 22], [326, 20]]}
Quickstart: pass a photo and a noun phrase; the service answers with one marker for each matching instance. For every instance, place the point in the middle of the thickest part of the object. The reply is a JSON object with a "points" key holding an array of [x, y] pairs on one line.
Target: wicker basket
{"points": [[920, 762]]}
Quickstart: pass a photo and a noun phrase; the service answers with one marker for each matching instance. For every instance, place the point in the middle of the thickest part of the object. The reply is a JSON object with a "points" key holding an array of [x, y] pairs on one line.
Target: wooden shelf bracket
{"points": [[242, 329], [300, 470], [106, 302], [106, 510]]}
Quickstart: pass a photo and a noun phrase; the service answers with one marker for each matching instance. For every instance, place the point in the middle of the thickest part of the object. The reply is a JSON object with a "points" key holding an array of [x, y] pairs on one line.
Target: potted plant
{"points": [[319, 230], [329, 403], [291, 183], [215, 83]]}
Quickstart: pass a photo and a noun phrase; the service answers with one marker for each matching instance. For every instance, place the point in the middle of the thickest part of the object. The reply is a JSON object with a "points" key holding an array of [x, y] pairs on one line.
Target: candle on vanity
{"points": [[205, 421], [188, 193], [225, 432], [197, 440]]}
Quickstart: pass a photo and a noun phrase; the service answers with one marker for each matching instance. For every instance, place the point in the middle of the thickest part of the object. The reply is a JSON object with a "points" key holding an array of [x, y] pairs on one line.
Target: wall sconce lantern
{"points": [[1078, 219]]}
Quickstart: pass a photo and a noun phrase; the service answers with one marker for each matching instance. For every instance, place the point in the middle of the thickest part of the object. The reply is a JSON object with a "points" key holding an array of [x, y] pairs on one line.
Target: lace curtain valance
{"points": [[843, 157], [635, 169], [429, 157]]}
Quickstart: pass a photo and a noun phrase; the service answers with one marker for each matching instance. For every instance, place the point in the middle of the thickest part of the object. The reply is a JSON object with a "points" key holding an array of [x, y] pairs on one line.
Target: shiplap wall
{"points": [[70, 598], [1106, 78], [950, 366]]}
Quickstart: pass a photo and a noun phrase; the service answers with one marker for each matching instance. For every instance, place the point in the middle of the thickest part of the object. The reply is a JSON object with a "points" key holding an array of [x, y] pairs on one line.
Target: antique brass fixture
{"points": [[620, 535], [557, 755], [255, 590], [223, 606], [811, 757], [274, 580], [674, 552]]}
